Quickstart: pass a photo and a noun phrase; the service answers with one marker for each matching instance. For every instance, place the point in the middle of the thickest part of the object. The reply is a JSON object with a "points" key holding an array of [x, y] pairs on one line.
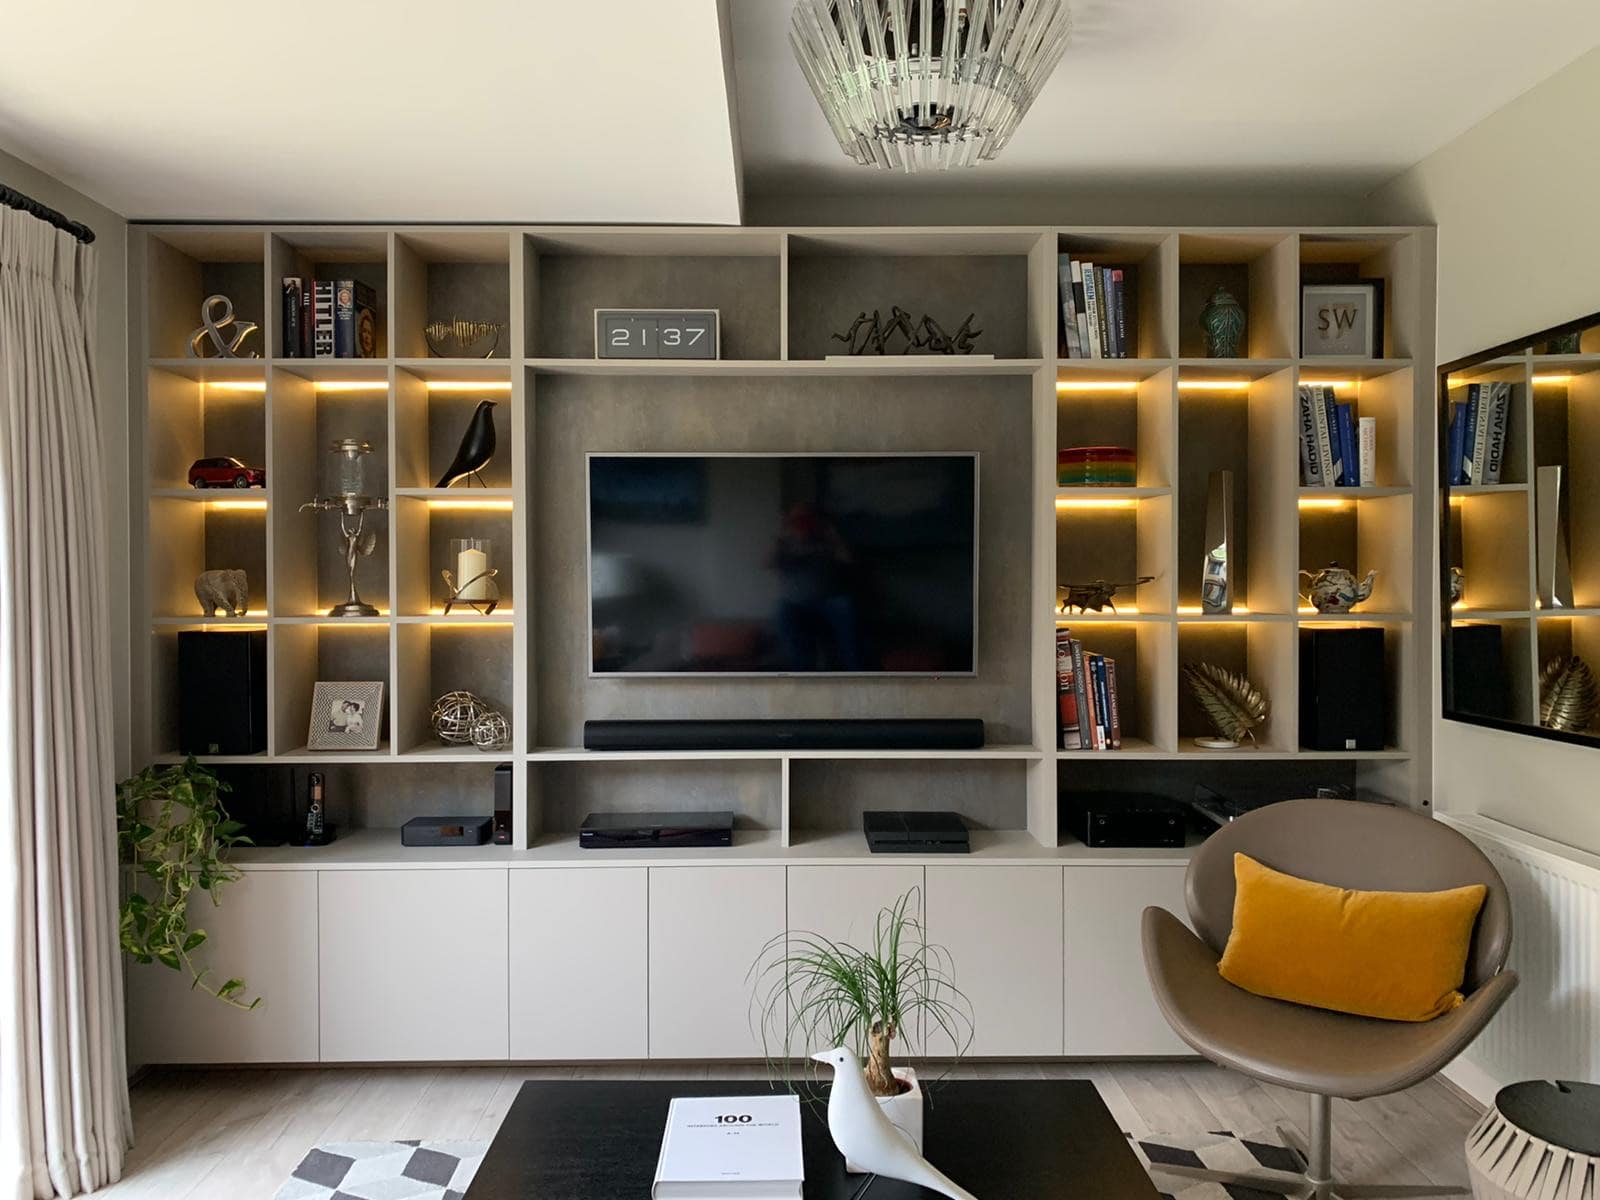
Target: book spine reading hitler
{"points": [[1344, 418], [1091, 296], [1120, 309], [1310, 459], [1080, 686], [1069, 315], [322, 318], [1114, 703], [1367, 451], [292, 341], [1499, 414], [1066, 697]]}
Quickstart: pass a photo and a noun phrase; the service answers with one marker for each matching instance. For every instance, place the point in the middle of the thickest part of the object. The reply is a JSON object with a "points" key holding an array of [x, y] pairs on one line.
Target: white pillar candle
{"points": [[471, 563]]}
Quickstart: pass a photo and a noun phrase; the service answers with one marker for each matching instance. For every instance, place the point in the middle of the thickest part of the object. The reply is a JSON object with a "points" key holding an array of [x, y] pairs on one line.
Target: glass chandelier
{"points": [[927, 84]]}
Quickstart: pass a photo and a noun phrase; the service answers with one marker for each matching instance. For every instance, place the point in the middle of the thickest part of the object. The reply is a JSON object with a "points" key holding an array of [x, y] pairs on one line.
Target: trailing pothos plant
{"points": [[810, 993], [174, 835]]}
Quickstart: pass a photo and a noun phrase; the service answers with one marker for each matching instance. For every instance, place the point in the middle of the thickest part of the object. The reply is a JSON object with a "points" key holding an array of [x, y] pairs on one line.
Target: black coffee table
{"points": [[1000, 1139]]}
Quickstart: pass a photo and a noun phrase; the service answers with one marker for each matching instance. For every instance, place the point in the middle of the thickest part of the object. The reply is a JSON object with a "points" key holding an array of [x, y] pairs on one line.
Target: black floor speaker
{"points": [[1475, 672], [1343, 698], [222, 691], [890, 734]]}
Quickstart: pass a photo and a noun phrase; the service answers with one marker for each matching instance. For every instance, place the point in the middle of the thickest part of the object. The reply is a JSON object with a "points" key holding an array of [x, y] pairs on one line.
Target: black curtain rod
{"points": [[12, 198]]}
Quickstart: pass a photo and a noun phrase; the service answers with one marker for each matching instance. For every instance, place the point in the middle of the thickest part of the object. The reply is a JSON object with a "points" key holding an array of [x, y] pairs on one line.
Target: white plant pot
{"points": [[904, 1112]]}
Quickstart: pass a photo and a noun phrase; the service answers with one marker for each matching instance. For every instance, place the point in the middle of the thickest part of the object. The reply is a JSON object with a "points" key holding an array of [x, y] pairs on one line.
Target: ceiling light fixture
{"points": [[921, 85]]}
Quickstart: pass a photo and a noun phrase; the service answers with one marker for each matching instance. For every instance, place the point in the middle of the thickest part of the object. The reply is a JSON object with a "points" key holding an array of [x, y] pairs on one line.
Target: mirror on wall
{"points": [[1519, 470]]}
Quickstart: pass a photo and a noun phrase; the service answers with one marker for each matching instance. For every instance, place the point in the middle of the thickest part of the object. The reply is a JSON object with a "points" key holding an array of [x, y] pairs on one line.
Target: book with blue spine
{"points": [[1456, 443], [1469, 441], [1330, 424], [1345, 423]]}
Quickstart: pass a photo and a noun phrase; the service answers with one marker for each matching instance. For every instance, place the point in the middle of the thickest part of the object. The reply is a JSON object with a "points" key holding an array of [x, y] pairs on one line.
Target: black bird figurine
{"points": [[476, 449]]}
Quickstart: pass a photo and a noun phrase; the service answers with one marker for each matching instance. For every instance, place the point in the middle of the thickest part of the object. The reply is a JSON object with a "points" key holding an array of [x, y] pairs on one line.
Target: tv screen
{"points": [[783, 564]]}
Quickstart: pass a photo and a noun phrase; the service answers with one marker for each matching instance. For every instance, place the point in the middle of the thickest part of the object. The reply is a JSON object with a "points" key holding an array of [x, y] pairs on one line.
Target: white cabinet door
{"points": [[1110, 1009], [413, 965], [1002, 927], [842, 904], [264, 932], [579, 953], [707, 924]]}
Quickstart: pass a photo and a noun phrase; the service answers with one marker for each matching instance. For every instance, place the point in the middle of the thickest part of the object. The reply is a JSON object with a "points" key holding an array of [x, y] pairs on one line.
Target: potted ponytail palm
{"points": [[810, 993]]}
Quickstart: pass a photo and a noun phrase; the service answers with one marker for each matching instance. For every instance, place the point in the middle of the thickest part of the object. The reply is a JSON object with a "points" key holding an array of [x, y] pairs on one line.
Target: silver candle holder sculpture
{"points": [[352, 503]]}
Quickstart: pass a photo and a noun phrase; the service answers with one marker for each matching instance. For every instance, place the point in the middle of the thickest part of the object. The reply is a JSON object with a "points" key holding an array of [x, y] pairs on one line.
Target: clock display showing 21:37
{"points": [[657, 333]]}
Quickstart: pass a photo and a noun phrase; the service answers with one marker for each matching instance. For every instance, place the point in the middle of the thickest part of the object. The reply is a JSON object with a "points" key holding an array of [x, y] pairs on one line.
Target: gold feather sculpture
{"points": [[1235, 707], [1569, 696]]}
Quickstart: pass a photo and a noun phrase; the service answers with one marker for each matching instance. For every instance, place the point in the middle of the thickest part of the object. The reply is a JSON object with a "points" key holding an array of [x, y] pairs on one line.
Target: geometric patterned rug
{"points": [[1218, 1151], [385, 1171]]}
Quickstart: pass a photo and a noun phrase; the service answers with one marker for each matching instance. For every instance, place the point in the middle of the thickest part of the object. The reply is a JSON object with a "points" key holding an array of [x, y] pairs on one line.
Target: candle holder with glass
{"points": [[473, 584]]}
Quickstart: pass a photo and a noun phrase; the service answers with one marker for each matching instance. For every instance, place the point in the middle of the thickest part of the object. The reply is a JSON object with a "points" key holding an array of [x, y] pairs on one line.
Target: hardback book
{"points": [[1499, 413], [354, 320], [1457, 447], [1469, 439], [1108, 324], [1069, 316], [322, 339], [1324, 436], [1102, 704], [1345, 421], [293, 343], [1367, 450], [1115, 704], [1066, 697], [1310, 458], [1091, 296], [1119, 312], [1080, 685], [733, 1147], [1330, 419], [1080, 307]]}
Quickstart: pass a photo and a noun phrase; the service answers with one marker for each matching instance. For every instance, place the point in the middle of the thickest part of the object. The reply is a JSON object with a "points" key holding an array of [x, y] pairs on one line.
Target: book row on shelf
{"points": [[1337, 448], [1087, 702], [1094, 310], [1478, 424], [329, 318]]}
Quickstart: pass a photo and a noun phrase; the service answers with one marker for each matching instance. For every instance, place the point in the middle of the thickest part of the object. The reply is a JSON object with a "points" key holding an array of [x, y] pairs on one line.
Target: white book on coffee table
{"points": [[731, 1148]]}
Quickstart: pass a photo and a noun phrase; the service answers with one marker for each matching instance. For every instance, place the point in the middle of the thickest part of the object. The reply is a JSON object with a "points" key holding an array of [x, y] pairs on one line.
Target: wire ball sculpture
{"points": [[463, 719]]}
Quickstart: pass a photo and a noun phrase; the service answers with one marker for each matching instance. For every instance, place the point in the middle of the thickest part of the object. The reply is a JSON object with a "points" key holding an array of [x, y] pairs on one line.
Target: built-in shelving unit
{"points": [[781, 294]]}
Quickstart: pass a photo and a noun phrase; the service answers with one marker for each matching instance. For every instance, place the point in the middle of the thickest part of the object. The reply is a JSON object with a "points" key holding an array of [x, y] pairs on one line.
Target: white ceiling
{"points": [[1343, 95], [476, 110], [619, 110]]}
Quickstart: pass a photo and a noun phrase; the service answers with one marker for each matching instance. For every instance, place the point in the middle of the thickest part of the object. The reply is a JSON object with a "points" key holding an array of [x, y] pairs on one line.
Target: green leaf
{"points": [[195, 939]]}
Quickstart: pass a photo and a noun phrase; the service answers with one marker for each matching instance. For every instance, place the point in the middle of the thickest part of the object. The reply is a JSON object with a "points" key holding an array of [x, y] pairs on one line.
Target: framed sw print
{"points": [[1342, 320], [346, 716]]}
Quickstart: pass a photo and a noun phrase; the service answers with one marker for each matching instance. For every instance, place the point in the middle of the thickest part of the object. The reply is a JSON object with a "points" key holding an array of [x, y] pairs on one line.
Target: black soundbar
{"points": [[964, 733]]}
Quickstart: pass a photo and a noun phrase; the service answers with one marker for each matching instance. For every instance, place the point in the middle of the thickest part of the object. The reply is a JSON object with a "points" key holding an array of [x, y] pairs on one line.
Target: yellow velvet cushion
{"points": [[1397, 955]]}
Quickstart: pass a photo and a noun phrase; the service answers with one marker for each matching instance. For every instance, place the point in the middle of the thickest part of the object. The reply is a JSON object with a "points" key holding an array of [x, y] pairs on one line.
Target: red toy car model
{"points": [[225, 472]]}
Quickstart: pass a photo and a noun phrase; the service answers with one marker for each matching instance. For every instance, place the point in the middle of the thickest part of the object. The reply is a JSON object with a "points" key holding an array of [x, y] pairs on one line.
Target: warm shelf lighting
{"points": [[1325, 503], [238, 505], [352, 385], [1336, 384], [1094, 502], [1194, 610], [1066, 386], [468, 385], [1213, 385], [1552, 380], [478, 505], [237, 385]]}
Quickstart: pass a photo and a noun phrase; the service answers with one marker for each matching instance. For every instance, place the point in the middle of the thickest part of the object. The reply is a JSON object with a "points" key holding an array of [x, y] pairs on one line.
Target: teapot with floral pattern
{"points": [[1335, 590]]}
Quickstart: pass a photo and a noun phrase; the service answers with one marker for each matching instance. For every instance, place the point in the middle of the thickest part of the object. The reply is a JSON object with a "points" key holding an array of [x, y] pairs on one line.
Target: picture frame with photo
{"points": [[346, 715], [1342, 320]]}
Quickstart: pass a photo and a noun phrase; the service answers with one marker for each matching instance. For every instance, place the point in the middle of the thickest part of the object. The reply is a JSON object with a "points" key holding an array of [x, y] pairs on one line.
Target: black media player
{"points": [[610, 831], [915, 833]]}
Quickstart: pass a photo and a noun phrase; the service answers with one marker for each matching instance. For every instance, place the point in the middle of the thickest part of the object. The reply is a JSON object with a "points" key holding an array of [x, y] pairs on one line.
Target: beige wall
{"points": [[1519, 250], [111, 362]]}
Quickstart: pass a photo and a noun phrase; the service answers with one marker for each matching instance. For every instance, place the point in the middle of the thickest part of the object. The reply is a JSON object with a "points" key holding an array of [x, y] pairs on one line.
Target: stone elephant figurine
{"points": [[227, 590]]}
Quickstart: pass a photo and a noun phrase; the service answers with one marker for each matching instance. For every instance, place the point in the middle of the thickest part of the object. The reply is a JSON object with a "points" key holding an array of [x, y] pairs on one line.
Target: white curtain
{"points": [[64, 1117]]}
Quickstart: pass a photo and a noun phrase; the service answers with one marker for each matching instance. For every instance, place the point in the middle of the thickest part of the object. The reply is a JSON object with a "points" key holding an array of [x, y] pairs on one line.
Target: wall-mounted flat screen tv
{"points": [[783, 564]]}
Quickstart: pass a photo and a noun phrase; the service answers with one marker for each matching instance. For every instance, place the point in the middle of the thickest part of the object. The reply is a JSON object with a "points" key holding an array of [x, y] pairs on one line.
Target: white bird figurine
{"points": [[867, 1138]]}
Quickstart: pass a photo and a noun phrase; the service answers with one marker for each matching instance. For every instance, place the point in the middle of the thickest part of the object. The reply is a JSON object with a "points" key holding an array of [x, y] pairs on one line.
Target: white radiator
{"points": [[1550, 1028]]}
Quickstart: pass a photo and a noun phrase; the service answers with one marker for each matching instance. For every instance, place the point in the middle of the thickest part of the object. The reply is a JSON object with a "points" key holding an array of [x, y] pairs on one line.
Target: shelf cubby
{"points": [[1490, 533], [561, 794], [569, 275], [1387, 395], [1149, 265], [1517, 463], [185, 266], [1265, 652], [1565, 634], [203, 417], [832, 277], [310, 409], [1259, 270], [431, 659], [1333, 258], [432, 412], [1361, 533], [446, 275], [828, 795], [1566, 434], [1120, 540], [1146, 676], [329, 255], [212, 535], [329, 651], [424, 527], [1094, 409], [164, 674]]}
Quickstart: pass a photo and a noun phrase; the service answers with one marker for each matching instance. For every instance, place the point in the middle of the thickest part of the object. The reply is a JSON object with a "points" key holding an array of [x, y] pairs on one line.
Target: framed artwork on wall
{"points": [[1342, 320], [346, 716]]}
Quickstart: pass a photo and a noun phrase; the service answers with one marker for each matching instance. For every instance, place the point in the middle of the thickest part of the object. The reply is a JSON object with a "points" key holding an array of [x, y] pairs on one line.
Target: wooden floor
{"points": [[236, 1134]]}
